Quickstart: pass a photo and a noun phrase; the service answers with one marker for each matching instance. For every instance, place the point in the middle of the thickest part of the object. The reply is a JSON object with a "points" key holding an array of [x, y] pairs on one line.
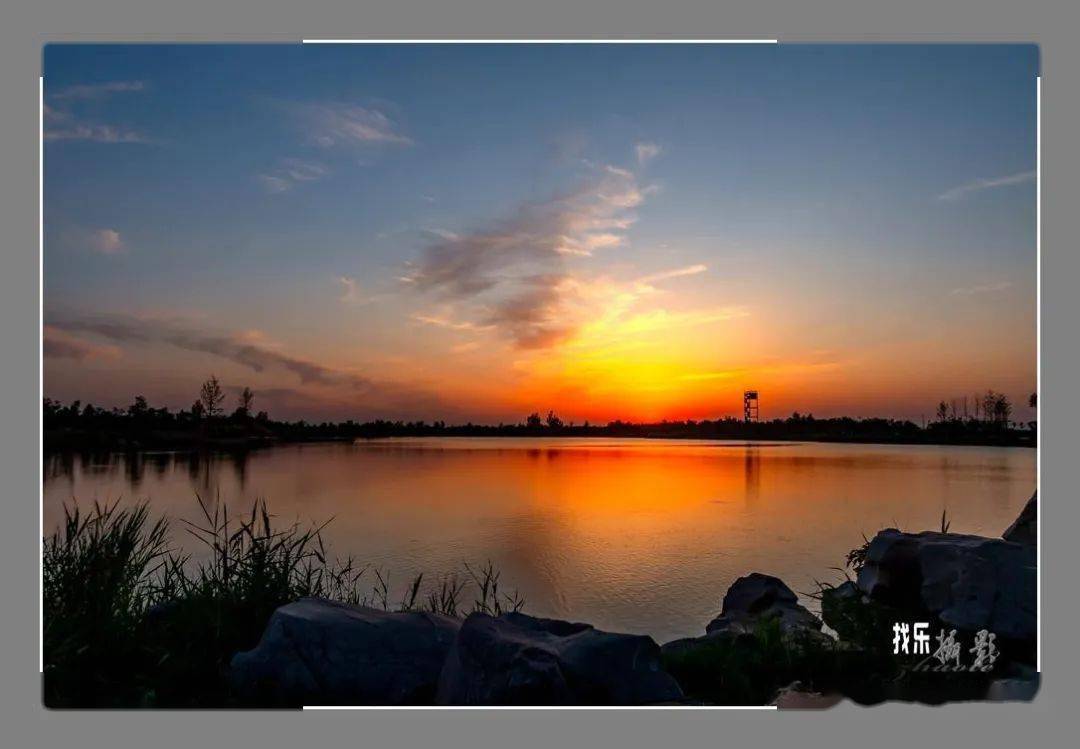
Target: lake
{"points": [[630, 535]]}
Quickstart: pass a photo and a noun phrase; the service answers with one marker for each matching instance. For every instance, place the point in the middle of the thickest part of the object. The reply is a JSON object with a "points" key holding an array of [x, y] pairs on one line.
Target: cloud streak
{"points": [[239, 349], [336, 390], [97, 134], [646, 152], [59, 344], [515, 271], [645, 283], [62, 125], [989, 288], [291, 172], [97, 90], [980, 185], [333, 124]]}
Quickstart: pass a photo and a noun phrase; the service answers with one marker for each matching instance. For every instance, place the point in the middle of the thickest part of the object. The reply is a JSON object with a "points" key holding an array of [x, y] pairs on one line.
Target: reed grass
{"points": [[129, 621]]}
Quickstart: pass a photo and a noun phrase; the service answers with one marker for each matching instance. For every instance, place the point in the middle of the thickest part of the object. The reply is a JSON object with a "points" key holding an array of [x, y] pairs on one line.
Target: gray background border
{"points": [[24, 29]]}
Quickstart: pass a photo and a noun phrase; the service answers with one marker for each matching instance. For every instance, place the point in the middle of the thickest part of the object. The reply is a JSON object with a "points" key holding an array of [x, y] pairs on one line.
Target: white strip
{"points": [[41, 374], [540, 707], [1038, 371], [540, 41]]}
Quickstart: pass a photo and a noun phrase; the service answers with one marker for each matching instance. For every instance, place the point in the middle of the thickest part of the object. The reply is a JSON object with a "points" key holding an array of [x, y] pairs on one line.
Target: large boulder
{"points": [[756, 598], [319, 652], [516, 659], [967, 582], [1025, 529]]}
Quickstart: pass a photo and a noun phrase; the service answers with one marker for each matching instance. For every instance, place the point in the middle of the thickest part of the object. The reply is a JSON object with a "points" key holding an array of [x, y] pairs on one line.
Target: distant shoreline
{"points": [[142, 427]]}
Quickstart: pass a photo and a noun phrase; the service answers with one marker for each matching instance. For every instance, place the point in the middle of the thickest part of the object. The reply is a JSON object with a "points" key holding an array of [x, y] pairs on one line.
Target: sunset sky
{"points": [[477, 232]]}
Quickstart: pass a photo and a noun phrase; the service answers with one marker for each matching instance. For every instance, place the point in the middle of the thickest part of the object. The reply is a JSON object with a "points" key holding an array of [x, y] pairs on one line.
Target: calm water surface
{"points": [[630, 535]]}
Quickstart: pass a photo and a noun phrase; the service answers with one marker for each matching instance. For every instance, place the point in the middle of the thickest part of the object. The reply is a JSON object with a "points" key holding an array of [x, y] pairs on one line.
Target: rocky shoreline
{"points": [[764, 647]]}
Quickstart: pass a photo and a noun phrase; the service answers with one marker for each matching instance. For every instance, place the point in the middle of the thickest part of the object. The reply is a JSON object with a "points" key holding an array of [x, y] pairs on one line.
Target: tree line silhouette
{"points": [[209, 424]]}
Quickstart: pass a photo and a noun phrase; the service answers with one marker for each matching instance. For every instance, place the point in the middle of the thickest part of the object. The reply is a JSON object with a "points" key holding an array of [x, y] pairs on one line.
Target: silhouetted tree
{"points": [[1033, 400], [197, 410], [139, 408], [246, 401], [553, 421], [996, 408], [211, 397], [1002, 409], [942, 412], [534, 421]]}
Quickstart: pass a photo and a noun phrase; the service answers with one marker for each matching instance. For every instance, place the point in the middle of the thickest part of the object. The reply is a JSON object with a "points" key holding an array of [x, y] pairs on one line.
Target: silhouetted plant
{"points": [[129, 622], [211, 397]]}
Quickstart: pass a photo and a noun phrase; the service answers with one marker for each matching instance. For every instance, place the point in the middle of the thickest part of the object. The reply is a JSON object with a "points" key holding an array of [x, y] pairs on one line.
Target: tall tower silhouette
{"points": [[750, 405]]}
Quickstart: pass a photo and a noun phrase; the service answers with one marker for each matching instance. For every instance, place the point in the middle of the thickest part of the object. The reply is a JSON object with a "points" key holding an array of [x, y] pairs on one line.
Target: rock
{"points": [[690, 645], [967, 582], [757, 597], [516, 659], [319, 652], [1025, 529]]}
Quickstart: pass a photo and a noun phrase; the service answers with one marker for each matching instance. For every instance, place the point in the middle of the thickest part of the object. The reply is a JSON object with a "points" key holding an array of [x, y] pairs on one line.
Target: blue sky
{"points": [[837, 198]]}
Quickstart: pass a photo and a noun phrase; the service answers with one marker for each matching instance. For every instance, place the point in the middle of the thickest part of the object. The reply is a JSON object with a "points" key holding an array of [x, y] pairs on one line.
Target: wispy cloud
{"points": [[349, 293], [989, 288], [646, 152], [97, 134], [239, 348], [515, 271], [107, 241], [646, 282], [979, 185], [57, 343], [339, 391], [273, 183], [445, 234], [97, 90], [299, 170], [61, 124], [290, 172], [331, 124], [809, 366], [445, 321]]}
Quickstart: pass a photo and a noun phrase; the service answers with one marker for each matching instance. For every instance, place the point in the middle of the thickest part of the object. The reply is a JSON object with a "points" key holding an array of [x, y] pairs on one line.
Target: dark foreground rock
{"points": [[516, 659], [1024, 529], [967, 582], [319, 652], [750, 602], [756, 598]]}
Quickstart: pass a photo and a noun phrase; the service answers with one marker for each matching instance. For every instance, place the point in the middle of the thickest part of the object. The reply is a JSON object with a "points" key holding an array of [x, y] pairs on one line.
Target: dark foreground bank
{"points": [[267, 620]]}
